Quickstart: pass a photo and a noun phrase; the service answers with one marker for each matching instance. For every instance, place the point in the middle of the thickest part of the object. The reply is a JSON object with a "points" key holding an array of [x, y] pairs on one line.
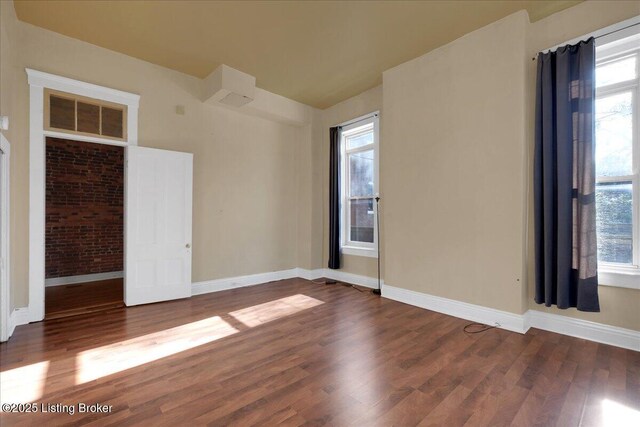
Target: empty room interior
{"points": [[341, 213]]}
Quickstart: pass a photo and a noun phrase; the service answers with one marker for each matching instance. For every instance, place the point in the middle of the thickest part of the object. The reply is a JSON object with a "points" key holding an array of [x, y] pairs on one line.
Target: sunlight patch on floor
{"points": [[273, 310], [616, 414], [110, 359], [24, 384]]}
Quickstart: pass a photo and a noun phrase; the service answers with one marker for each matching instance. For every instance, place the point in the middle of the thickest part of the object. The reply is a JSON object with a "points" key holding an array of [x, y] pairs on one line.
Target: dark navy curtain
{"points": [[334, 198], [564, 179]]}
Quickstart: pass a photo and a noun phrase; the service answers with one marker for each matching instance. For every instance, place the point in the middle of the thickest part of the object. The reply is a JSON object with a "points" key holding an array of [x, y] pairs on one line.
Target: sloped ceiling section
{"points": [[315, 52]]}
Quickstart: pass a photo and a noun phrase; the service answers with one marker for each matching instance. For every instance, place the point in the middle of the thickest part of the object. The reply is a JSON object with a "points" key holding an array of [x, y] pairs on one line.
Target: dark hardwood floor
{"points": [[297, 353], [83, 298]]}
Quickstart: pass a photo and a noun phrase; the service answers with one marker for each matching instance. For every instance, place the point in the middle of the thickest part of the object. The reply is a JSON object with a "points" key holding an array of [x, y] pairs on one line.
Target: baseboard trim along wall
{"points": [[217, 285], [19, 316], [70, 280], [592, 331], [519, 323], [475, 313], [340, 276]]}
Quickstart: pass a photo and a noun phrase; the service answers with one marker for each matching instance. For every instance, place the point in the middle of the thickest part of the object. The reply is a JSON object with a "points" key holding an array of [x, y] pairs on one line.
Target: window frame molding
{"points": [[48, 92], [347, 246], [617, 274]]}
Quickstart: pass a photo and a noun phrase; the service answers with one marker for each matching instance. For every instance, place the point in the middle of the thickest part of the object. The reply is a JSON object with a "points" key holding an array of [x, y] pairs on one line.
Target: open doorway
{"points": [[84, 227]]}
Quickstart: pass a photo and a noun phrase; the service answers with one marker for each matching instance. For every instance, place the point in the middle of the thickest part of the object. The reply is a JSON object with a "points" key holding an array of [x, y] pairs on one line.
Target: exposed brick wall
{"points": [[84, 216]]}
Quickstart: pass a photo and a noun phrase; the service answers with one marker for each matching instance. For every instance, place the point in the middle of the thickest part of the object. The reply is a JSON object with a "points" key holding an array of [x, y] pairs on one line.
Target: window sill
{"points": [[353, 250], [619, 277]]}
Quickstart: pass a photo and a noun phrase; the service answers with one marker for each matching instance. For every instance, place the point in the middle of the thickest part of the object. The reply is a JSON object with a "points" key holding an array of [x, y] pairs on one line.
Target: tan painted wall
{"points": [[453, 172], [310, 194], [246, 184], [458, 212], [9, 69], [619, 306], [366, 102]]}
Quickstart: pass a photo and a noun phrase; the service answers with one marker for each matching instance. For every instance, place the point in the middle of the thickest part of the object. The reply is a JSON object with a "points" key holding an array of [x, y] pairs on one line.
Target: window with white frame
{"points": [[359, 162], [617, 132]]}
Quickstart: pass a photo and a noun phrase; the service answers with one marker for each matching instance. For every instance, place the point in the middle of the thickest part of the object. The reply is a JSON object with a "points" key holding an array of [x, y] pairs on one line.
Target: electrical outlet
{"points": [[4, 122]]}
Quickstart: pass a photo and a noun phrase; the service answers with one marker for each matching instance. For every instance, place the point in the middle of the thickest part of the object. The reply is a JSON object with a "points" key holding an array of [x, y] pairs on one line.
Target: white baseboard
{"points": [[520, 323], [217, 285], [355, 279], [475, 313], [84, 278], [310, 274], [341, 276], [592, 331], [19, 316]]}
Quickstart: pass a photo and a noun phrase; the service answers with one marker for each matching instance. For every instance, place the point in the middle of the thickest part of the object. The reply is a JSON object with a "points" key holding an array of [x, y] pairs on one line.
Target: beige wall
{"points": [[309, 186], [453, 169], [618, 306], [246, 173], [456, 142], [457, 165], [9, 103], [366, 102]]}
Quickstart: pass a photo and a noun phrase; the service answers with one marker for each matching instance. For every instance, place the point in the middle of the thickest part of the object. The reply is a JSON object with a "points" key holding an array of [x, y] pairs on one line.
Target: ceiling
{"points": [[316, 52]]}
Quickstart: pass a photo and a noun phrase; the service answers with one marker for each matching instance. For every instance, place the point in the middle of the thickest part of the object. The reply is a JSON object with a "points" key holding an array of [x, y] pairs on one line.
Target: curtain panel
{"points": [[334, 198], [564, 179]]}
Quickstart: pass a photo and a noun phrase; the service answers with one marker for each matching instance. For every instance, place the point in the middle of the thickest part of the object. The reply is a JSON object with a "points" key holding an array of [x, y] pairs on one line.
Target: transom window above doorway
{"points": [[75, 114]]}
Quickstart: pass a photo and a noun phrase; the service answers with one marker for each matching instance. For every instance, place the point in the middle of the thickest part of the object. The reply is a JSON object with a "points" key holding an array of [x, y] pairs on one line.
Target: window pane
{"points": [[614, 129], [615, 72], [614, 222], [112, 122], [362, 220], [88, 118], [361, 173], [360, 140], [62, 113]]}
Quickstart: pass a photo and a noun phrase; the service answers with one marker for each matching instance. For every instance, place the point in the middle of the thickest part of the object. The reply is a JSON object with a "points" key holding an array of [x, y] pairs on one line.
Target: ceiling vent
{"points": [[228, 86]]}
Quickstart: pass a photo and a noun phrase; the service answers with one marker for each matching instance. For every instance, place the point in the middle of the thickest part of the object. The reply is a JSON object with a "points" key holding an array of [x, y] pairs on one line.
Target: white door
{"points": [[158, 225]]}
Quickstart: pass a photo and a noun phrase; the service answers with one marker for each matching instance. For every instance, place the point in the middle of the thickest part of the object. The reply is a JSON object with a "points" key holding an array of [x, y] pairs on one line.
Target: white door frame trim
{"points": [[5, 253], [38, 82]]}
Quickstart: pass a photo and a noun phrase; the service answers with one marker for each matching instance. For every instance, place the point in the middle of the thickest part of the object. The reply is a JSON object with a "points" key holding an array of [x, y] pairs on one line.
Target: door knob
{"points": [[188, 246]]}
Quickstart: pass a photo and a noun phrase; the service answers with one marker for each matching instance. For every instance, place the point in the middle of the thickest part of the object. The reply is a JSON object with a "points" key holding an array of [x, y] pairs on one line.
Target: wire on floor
{"points": [[476, 328], [324, 282]]}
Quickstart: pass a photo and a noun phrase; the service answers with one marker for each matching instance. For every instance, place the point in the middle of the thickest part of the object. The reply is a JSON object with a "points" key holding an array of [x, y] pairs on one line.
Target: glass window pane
{"points": [[614, 222], [362, 220], [62, 113], [112, 122], [615, 72], [361, 173], [614, 130], [88, 118], [359, 140]]}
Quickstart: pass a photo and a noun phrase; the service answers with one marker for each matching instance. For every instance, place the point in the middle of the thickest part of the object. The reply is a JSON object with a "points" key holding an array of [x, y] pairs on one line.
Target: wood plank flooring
{"points": [[297, 353], [83, 298]]}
